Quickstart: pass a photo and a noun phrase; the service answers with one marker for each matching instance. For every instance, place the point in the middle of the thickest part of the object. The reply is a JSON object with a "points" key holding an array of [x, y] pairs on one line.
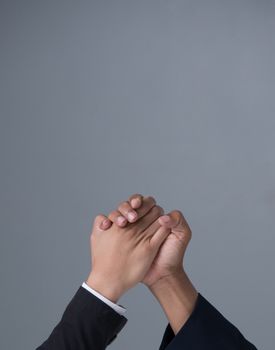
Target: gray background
{"points": [[102, 99]]}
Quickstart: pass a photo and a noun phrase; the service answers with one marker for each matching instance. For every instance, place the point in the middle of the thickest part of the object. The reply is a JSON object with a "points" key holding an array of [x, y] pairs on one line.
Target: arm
{"points": [[177, 297], [87, 323], [91, 321], [194, 323]]}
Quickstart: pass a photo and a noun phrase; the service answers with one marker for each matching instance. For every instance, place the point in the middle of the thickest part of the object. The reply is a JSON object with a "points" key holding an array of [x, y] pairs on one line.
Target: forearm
{"points": [[193, 321], [177, 297]]}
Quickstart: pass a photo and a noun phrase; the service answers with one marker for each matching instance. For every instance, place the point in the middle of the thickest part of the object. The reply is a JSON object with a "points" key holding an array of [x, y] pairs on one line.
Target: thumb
{"points": [[177, 223]]}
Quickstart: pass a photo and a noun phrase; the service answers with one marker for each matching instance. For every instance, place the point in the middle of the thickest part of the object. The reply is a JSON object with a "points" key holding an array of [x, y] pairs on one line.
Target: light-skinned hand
{"points": [[122, 255], [169, 259]]}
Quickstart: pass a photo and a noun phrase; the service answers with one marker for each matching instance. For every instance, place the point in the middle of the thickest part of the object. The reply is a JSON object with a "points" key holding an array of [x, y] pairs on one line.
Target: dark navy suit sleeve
{"points": [[205, 329], [86, 324]]}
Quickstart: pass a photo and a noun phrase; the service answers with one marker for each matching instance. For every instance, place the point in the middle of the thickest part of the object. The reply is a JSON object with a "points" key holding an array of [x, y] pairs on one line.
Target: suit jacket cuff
{"points": [[105, 320], [206, 328], [87, 323]]}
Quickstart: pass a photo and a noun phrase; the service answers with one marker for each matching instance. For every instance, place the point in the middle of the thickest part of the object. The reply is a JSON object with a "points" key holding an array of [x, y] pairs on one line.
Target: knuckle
{"points": [[157, 209], [113, 214], [151, 199], [123, 205], [178, 213]]}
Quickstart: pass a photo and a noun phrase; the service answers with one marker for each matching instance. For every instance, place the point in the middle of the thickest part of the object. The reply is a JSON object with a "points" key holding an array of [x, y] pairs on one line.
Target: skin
{"points": [[121, 256], [164, 275]]}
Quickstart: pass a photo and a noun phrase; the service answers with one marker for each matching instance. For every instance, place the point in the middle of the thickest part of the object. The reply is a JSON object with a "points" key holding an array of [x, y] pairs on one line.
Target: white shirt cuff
{"points": [[118, 308]]}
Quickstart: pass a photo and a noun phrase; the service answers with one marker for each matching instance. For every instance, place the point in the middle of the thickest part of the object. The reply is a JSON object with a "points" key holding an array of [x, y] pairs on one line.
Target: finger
{"points": [[118, 218], [143, 223], [177, 223], [131, 215], [136, 200], [159, 237], [147, 204], [153, 227], [157, 234], [126, 210], [101, 222]]}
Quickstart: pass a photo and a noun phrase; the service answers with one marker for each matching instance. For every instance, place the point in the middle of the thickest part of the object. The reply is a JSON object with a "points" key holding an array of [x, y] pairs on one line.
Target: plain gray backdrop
{"points": [[102, 99]]}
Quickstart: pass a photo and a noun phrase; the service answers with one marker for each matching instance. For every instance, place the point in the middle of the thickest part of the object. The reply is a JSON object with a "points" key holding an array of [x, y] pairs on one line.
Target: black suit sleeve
{"points": [[205, 329], [86, 324]]}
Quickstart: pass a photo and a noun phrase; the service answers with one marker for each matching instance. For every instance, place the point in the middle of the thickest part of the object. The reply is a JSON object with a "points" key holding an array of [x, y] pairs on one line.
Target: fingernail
{"points": [[121, 220], [132, 215], [135, 202], [165, 218], [105, 222]]}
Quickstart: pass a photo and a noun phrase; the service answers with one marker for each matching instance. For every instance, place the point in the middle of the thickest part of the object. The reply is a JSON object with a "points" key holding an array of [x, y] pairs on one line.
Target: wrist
{"points": [[105, 287], [177, 296], [175, 282], [166, 278]]}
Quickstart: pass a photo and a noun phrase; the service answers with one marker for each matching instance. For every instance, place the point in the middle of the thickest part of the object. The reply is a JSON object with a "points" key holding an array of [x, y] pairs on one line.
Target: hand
{"points": [[169, 260], [166, 277], [121, 256]]}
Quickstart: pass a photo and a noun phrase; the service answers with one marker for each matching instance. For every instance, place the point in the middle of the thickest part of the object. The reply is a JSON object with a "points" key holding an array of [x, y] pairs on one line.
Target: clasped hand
{"points": [[136, 243]]}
